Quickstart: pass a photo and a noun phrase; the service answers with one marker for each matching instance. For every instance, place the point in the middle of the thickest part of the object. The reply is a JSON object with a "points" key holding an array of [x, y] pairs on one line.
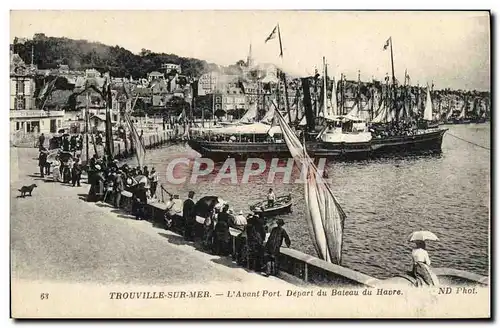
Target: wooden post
{"points": [[306, 273]]}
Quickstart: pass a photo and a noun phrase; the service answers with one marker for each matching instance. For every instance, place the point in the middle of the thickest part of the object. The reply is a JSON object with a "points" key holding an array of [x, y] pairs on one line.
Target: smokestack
{"points": [[308, 105]]}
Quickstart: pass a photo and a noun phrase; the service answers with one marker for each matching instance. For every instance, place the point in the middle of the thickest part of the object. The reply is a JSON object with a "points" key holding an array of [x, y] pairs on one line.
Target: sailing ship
{"points": [[342, 136]]}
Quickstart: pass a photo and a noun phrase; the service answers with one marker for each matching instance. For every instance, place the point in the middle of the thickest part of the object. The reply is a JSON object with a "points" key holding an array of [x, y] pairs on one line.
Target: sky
{"points": [[451, 49]]}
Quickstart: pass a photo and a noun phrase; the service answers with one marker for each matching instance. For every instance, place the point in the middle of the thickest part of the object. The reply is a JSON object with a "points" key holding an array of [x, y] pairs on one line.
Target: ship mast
{"points": [[342, 93], [324, 88], [393, 96], [358, 100]]}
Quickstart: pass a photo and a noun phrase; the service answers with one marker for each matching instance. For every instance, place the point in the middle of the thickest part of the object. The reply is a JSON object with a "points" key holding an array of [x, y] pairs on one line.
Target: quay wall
{"points": [[308, 268], [151, 140]]}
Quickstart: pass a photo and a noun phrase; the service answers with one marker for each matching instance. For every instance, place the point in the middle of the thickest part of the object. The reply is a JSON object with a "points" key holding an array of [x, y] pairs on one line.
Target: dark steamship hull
{"points": [[428, 142]]}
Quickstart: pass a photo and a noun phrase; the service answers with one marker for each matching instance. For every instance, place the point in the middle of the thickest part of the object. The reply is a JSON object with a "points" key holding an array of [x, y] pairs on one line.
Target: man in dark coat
{"points": [[222, 237], [256, 235], [189, 216], [76, 172], [41, 141], [42, 160], [273, 245], [72, 143], [140, 199], [66, 146]]}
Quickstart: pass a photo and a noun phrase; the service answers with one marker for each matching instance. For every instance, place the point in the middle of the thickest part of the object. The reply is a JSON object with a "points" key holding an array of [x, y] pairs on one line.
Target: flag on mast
{"points": [[387, 43], [272, 36], [140, 150]]}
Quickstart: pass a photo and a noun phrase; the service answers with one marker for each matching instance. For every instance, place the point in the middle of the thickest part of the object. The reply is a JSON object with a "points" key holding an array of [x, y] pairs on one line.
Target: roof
{"points": [[58, 98], [255, 128]]}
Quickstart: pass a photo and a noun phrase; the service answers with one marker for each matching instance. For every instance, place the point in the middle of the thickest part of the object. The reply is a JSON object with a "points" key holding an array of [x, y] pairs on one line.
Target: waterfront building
{"points": [[169, 67], [23, 115], [92, 73]]}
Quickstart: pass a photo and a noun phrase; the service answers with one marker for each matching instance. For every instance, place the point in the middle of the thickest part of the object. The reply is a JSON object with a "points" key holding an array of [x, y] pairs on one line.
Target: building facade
{"points": [[23, 115], [169, 67]]}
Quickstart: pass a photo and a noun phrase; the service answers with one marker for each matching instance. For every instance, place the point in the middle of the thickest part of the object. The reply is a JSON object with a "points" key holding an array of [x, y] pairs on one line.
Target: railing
{"points": [[308, 268]]}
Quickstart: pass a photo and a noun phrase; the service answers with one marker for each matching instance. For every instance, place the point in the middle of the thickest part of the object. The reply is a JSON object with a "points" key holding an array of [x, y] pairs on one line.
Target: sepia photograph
{"points": [[250, 164]]}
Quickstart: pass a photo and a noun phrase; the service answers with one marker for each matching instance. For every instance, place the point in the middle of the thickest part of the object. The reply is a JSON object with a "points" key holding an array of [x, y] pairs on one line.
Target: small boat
{"points": [[282, 205]]}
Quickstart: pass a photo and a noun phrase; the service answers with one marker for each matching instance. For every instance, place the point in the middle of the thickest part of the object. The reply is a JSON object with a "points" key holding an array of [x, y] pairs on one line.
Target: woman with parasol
{"points": [[421, 261]]}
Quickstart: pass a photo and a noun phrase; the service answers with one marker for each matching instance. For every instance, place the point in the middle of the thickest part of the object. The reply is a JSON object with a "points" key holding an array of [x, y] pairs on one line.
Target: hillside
{"points": [[81, 54]]}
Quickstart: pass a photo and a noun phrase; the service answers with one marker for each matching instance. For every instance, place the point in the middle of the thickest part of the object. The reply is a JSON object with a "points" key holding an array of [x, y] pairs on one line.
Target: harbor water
{"points": [[385, 200]]}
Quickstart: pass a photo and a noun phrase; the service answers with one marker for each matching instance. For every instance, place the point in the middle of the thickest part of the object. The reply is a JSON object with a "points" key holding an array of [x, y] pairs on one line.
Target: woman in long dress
{"points": [[422, 265]]}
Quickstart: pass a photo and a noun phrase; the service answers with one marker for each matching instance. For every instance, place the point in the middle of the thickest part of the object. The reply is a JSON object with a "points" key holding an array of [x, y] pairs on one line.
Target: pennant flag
{"points": [[387, 43], [106, 94], [273, 34], [109, 135], [140, 150]]}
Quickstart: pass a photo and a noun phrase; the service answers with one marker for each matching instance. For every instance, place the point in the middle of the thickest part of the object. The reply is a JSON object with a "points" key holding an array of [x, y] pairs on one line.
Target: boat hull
{"points": [[427, 142], [283, 206]]}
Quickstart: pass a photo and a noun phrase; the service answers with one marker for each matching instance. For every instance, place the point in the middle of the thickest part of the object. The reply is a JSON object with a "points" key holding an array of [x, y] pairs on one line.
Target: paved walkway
{"points": [[56, 236]]}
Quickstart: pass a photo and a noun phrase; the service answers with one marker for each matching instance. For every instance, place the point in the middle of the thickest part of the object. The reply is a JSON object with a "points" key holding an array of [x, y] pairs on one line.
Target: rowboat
{"points": [[282, 205]]}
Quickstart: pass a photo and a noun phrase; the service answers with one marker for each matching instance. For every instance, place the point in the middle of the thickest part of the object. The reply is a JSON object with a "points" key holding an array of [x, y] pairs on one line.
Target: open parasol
{"points": [[141, 179], [422, 235]]}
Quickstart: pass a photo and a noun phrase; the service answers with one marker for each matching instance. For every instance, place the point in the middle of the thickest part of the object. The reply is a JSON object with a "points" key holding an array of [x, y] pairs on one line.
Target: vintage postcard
{"points": [[250, 164]]}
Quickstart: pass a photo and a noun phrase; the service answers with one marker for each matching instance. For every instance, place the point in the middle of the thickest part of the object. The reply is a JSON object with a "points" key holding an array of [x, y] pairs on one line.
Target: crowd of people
{"points": [[109, 182], [253, 246], [393, 129]]}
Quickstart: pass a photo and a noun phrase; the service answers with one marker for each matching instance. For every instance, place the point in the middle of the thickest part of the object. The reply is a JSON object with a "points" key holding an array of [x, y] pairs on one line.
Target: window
{"points": [[18, 126], [19, 87], [35, 126]]}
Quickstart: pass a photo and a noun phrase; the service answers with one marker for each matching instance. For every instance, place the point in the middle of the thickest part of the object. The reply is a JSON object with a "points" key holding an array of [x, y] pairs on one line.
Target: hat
{"points": [[280, 222]]}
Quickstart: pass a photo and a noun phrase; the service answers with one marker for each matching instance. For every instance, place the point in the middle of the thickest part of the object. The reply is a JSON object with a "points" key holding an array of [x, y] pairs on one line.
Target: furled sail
{"points": [[325, 217], [333, 110], [140, 150], [428, 106]]}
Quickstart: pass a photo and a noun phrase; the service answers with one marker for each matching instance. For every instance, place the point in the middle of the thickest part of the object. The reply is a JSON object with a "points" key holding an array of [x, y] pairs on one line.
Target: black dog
{"points": [[27, 190]]}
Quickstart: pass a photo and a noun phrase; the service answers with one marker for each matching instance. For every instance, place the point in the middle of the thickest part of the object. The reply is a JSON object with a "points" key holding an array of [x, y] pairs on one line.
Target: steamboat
{"points": [[332, 132]]}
